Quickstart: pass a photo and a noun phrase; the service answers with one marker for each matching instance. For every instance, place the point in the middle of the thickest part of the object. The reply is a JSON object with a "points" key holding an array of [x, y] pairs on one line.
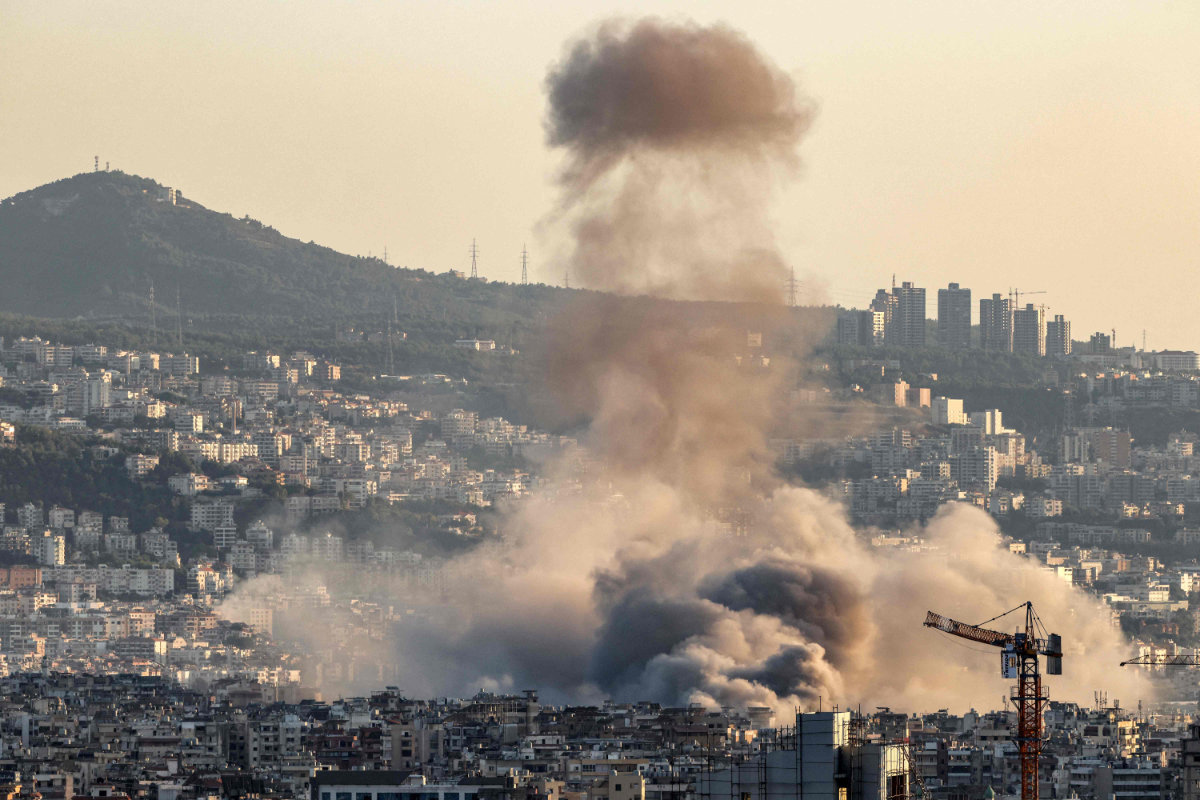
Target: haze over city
{"points": [[566, 402]]}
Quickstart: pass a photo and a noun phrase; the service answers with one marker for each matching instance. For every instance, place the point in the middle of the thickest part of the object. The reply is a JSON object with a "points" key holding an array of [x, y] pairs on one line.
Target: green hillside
{"points": [[91, 245]]}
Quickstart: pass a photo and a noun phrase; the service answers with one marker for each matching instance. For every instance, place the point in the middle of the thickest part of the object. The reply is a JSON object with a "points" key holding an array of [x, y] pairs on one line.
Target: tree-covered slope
{"points": [[92, 245]]}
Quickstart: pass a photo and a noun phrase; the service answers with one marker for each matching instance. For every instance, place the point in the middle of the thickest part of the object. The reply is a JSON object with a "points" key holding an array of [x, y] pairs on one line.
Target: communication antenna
{"points": [[153, 316], [106, 166], [474, 260], [96, 164], [179, 317], [385, 254], [391, 365], [524, 265], [567, 279], [791, 285]]}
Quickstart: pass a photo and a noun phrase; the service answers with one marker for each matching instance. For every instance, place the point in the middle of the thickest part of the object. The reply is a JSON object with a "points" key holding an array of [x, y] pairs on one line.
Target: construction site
{"points": [[828, 755]]}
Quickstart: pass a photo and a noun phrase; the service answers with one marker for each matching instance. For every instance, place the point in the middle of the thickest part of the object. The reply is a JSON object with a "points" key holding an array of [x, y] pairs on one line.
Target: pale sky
{"points": [[1039, 145]]}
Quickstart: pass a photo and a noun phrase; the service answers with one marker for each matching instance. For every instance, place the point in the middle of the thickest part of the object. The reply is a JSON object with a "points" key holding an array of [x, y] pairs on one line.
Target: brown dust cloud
{"points": [[666, 559]]}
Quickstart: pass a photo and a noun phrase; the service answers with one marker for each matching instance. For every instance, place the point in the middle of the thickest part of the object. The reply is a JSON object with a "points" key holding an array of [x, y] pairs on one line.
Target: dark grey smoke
{"points": [[826, 607], [641, 626], [670, 86], [792, 672]]}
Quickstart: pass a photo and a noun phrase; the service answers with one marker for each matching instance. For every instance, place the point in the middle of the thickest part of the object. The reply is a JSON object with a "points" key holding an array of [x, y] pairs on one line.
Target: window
{"points": [[342, 795], [450, 796], [362, 796], [325, 796]]}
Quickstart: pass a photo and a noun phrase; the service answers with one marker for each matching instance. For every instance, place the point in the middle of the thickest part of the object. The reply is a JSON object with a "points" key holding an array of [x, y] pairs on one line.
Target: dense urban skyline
{"points": [[279, 521]]}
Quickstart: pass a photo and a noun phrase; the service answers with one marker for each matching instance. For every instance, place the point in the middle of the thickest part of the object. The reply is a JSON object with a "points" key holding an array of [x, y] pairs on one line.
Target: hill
{"points": [[91, 245]]}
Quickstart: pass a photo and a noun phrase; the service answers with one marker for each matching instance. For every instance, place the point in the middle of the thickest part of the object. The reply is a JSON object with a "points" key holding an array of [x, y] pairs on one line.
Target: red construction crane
{"points": [[1019, 660]]}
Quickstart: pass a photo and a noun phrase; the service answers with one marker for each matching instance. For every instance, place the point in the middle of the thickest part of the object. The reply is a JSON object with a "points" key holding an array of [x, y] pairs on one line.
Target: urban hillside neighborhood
{"points": [[213, 526]]}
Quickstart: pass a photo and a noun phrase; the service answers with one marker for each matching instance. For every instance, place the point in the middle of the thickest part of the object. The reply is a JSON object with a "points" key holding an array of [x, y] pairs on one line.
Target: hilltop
{"points": [[91, 245]]}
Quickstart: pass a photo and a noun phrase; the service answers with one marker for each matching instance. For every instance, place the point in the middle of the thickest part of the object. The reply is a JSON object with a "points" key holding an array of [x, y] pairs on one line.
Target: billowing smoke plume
{"points": [[668, 562], [672, 134]]}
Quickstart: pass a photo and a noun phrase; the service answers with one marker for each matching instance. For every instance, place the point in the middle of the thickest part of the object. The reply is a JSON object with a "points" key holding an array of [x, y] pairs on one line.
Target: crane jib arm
{"points": [[1163, 661], [972, 632]]}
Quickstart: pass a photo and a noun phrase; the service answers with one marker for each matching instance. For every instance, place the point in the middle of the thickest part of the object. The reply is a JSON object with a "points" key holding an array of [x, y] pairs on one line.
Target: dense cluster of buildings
{"points": [[86, 591], [119, 736], [1086, 463], [1111, 516], [275, 420], [125, 670], [898, 318]]}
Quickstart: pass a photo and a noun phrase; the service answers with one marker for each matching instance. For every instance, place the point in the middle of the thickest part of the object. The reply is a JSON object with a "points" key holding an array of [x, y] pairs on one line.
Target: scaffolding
{"points": [[914, 774], [771, 766], [856, 737], [756, 769]]}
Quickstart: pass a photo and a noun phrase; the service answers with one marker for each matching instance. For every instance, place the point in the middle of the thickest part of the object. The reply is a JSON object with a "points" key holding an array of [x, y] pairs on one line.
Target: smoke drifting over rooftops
{"points": [[668, 561]]}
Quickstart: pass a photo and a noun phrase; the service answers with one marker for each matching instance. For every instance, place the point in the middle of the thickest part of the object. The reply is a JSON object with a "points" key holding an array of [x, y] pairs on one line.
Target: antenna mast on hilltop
{"points": [[179, 318], [395, 320], [474, 260], [96, 164], [524, 265], [391, 363], [153, 316], [792, 285]]}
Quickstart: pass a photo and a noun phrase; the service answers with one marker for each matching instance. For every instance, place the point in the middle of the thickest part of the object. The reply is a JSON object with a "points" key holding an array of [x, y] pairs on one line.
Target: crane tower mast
{"points": [[1019, 660]]}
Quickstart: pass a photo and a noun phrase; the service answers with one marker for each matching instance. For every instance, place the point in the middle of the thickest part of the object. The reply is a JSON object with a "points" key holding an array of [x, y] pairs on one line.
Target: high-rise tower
{"points": [[996, 324], [910, 315], [954, 317], [1029, 330], [1058, 337]]}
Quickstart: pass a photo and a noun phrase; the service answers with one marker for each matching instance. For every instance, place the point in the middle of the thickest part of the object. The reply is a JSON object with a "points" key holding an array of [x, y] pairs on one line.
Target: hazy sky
{"points": [[1049, 146]]}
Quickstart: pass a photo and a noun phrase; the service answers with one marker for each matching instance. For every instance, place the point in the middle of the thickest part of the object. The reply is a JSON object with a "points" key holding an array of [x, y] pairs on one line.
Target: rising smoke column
{"points": [[674, 138], [673, 135], [675, 565]]}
